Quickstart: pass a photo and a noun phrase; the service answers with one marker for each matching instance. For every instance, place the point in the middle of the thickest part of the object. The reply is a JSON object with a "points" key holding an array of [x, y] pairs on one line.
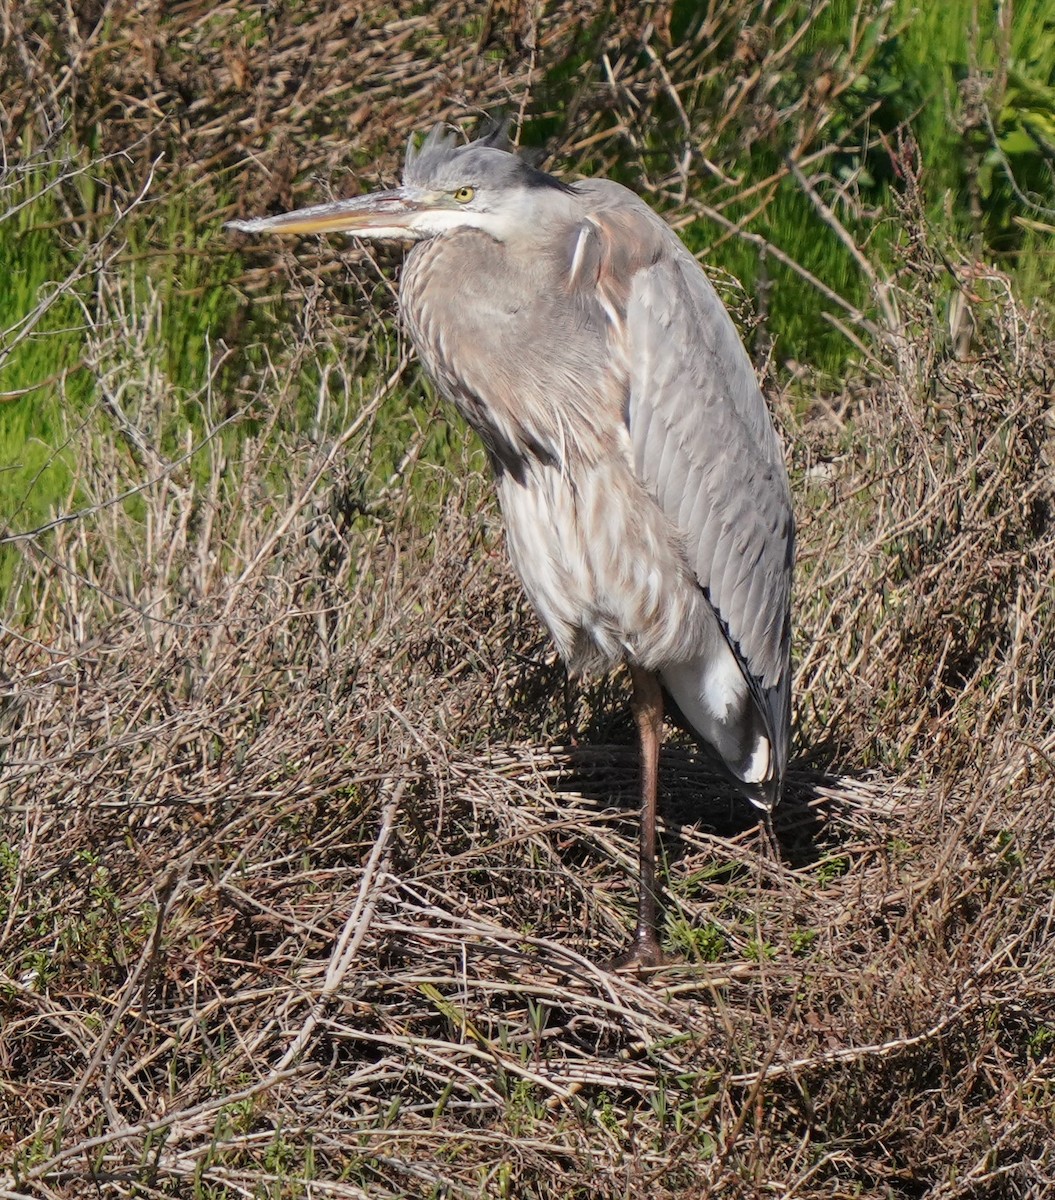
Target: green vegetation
{"points": [[40, 317]]}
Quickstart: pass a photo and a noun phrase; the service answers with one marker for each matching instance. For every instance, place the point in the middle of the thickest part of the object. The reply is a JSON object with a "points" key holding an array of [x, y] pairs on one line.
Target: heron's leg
{"points": [[647, 703]]}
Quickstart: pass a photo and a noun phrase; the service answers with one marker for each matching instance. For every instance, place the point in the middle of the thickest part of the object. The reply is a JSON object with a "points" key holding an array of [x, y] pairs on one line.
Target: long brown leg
{"points": [[647, 703]]}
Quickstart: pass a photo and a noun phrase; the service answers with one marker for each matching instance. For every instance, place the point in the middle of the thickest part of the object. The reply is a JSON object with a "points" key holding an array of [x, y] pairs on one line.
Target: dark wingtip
{"points": [[765, 795]]}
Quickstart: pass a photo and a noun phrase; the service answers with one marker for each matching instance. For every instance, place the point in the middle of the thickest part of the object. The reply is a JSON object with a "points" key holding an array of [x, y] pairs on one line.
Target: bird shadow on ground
{"points": [[599, 762], [712, 840], [709, 832], [696, 792]]}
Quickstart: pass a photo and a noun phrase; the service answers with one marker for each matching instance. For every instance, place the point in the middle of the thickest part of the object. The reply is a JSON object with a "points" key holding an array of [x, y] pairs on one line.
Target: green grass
{"points": [[35, 469], [993, 199], [148, 298], [155, 309]]}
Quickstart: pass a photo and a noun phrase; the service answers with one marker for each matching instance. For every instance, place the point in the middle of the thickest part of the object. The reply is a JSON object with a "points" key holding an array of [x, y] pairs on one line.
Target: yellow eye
{"points": [[464, 194]]}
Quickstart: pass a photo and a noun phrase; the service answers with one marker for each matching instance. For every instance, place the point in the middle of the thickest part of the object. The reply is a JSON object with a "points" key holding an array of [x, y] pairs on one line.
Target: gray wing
{"points": [[702, 439]]}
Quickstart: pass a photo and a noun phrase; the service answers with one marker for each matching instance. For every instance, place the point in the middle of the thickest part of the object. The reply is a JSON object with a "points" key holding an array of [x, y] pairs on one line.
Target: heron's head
{"points": [[446, 186]]}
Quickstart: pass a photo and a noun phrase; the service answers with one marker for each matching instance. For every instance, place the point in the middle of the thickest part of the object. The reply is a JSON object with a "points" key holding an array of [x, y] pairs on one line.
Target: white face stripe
{"points": [[437, 221]]}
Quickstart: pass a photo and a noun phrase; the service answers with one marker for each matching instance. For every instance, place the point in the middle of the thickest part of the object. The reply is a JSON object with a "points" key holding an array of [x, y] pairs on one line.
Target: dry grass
{"points": [[309, 858]]}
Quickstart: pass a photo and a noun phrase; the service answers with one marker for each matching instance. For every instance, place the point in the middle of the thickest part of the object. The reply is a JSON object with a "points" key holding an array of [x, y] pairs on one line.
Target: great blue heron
{"points": [[642, 483]]}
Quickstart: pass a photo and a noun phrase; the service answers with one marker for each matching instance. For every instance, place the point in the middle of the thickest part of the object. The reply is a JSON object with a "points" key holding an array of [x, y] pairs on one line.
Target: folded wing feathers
{"points": [[704, 446]]}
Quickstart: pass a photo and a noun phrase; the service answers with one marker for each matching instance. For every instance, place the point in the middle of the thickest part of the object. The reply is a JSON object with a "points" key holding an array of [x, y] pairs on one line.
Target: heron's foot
{"points": [[643, 954]]}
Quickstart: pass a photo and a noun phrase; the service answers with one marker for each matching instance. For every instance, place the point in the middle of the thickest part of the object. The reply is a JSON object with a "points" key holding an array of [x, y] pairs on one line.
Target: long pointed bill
{"points": [[388, 214]]}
